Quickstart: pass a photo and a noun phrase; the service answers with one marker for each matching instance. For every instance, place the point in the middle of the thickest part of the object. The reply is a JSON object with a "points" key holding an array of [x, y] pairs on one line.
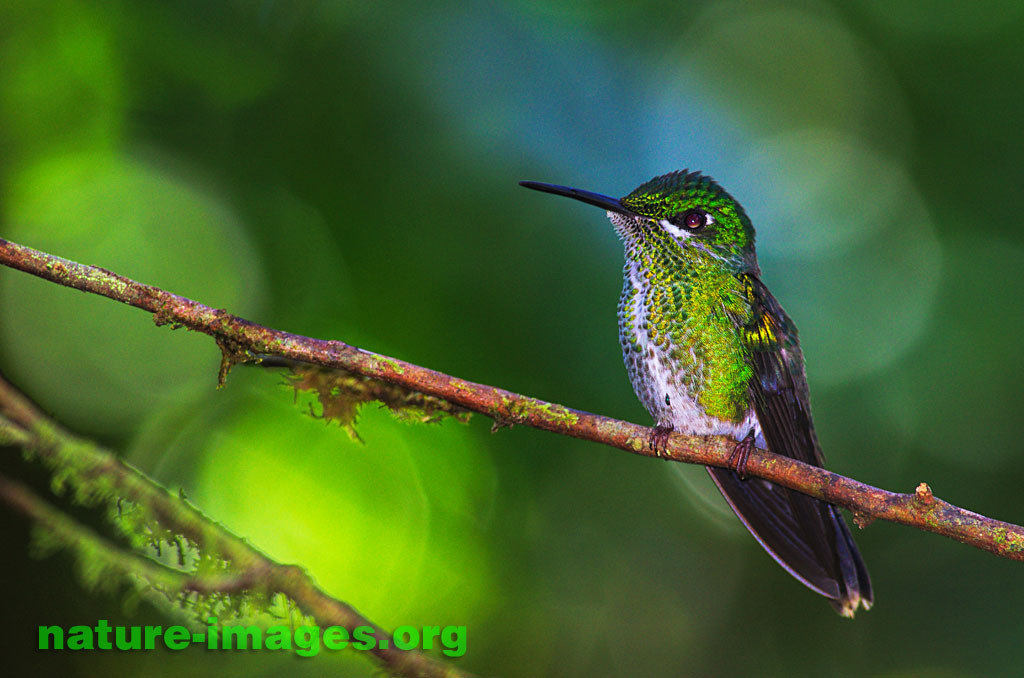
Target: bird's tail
{"points": [[808, 537]]}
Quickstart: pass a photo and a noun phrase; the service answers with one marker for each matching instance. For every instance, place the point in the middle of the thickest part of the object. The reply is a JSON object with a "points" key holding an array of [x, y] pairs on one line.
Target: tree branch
{"points": [[29, 428], [236, 336]]}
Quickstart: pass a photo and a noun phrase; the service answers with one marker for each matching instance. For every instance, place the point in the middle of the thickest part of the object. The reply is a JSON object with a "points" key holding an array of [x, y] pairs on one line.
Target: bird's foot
{"points": [[740, 454], [657, 441]]}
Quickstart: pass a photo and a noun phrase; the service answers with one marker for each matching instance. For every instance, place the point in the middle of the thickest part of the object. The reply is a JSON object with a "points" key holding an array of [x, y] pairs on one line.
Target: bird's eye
{"points": [[692, 220]]}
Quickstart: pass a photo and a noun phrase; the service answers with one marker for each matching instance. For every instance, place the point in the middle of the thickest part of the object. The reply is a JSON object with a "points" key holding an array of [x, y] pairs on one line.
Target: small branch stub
{"points": [[231, 354], [862, 519]]}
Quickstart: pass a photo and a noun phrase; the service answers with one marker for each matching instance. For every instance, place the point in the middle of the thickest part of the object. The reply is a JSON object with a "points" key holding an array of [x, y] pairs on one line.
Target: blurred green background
{"points": [[348, 170]]}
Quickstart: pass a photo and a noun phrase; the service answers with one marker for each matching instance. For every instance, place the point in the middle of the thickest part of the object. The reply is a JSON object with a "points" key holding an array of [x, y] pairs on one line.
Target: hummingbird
{"points": [[709, 351]]}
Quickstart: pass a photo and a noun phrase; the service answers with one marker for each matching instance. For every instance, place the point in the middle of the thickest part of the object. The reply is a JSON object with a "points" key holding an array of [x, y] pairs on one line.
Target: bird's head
{"points": [[684, 210]]}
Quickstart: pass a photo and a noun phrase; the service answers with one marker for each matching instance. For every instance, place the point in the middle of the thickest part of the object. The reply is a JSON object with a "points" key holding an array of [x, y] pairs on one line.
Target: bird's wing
{"points": [[806, 536], [778, 389]]}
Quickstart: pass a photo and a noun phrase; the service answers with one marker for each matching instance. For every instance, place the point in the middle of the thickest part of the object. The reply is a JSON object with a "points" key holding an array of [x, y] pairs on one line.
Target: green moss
{"points": [[154, 561], [1010, 541], [528, 409], [392, 363], [341, 395], [462, 386]]}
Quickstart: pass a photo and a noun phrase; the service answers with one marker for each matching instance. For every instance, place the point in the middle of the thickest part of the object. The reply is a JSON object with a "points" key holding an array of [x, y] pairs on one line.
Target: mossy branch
{"points": [[215, 573], [920, 509]]}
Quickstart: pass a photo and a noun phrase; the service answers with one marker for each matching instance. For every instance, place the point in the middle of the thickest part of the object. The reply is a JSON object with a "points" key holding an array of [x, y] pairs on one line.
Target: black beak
{"points": [[602, 201]]}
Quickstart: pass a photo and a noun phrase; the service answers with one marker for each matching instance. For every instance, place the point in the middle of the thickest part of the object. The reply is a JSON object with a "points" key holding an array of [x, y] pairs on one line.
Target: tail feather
{"points": [[805, 536]]}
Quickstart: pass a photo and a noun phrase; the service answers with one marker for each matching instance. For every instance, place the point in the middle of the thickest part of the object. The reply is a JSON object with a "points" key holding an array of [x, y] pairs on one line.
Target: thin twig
{"points": [[919, 509]]}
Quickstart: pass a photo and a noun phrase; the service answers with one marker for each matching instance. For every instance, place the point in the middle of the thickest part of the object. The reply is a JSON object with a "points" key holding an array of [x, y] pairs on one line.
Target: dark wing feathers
{"points": [[806, 536]]}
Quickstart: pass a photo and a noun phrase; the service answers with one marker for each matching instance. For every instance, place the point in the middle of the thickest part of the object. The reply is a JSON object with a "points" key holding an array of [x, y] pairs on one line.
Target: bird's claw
{"points": [[740, 455], [658, 440]]}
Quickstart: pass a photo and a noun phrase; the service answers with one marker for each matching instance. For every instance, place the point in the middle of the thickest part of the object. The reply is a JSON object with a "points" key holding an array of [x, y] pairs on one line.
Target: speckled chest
{"points": [[683, 352]]}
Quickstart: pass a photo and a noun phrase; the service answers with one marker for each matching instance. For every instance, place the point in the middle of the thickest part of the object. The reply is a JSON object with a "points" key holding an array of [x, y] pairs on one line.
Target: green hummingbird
{"points": [[710, 351]]}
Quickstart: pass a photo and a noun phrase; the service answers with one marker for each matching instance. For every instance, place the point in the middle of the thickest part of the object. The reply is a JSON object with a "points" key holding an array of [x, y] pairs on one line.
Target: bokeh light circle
{"points": [[860, 308], [96, 363]]}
